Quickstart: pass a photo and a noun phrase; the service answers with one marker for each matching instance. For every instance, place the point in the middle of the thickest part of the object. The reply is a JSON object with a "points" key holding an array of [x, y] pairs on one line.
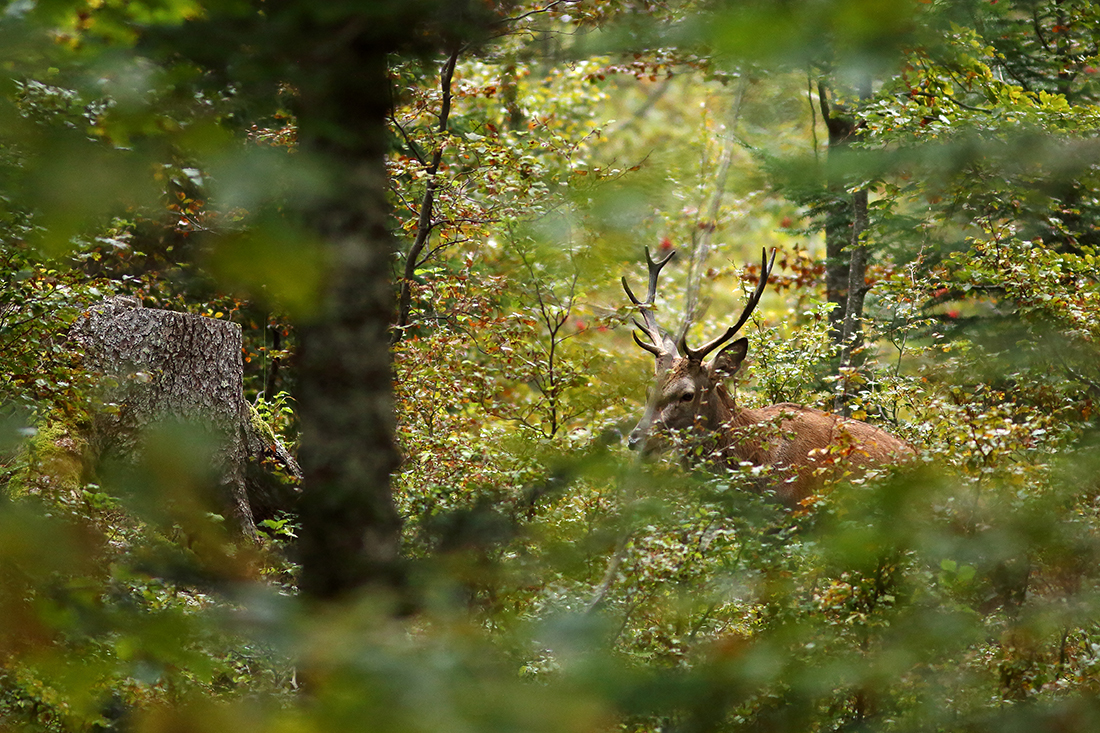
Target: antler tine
{"points": [[659, 345], [655, 350], [630, 293], [701, 353], [655, 270]]}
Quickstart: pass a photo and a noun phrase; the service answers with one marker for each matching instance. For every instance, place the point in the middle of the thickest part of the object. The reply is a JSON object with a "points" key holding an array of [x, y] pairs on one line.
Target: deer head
{"points": [[689, 392]]}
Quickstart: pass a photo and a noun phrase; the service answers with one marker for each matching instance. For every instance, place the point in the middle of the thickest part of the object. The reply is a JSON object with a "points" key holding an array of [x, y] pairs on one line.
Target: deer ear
{"points": [[728, 361]]}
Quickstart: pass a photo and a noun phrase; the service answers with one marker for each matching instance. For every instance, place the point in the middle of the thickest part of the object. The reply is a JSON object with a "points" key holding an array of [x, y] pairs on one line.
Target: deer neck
{"points": [[725, 411], [730, 419]]}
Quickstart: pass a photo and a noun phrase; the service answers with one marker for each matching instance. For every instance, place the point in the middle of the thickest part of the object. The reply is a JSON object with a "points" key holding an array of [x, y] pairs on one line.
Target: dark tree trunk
{"points": [[351, 530], [838, 212], [851, 337], [350, 525], [851, 328], [164, 365]]}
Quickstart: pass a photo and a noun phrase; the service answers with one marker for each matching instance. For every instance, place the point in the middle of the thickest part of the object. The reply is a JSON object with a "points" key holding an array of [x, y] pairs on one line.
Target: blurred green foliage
{"points": [[150, 149]]}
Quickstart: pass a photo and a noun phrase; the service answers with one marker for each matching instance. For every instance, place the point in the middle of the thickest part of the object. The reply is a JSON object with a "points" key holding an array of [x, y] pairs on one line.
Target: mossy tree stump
{"points": [[162, 366]]}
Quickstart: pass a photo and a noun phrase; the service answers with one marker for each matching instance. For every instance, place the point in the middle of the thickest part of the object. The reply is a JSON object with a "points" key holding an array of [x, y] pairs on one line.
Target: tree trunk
{"points": [[164, 365], [851, 337], [351, 531], [838, 213], [851, 334], [350, 526]]}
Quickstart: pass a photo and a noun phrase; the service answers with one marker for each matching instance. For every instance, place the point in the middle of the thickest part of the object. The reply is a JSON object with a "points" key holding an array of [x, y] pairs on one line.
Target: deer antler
{"points": [[660, 344], [701, 353]]}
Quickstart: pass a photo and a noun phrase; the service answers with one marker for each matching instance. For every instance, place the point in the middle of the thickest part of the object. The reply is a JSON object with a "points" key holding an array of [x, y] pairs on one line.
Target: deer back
{"points": [[690, 405], [806, 446]]}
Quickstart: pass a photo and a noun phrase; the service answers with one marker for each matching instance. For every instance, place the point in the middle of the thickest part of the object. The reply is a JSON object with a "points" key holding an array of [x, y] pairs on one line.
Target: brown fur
{"points": [[802, 444]]}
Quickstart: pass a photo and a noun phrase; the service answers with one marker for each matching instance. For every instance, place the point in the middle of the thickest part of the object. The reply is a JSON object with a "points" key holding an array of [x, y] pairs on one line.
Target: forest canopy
{"points": [[416, 218]]}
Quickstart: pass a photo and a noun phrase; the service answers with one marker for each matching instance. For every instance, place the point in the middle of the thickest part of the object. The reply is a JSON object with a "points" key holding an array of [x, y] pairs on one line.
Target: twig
{"points": [[413, 147], [536, 11], [930, 95]]}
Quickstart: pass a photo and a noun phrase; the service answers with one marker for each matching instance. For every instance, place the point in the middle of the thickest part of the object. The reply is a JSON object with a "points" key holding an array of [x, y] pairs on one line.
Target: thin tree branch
{"points": [[957, 103], [536, 11], [435, 250], [707, 227], [409, 142], [424, 224]]}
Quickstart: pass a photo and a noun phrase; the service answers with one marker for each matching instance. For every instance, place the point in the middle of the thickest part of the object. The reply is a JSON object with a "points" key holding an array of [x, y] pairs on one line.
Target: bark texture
{"points": [[337, 58], [851, 333], [350, 537], [162, 365], [851, 337]]}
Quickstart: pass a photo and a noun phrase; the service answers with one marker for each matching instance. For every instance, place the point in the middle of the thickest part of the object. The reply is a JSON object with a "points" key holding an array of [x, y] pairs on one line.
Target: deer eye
{"points": [[687, 396]]}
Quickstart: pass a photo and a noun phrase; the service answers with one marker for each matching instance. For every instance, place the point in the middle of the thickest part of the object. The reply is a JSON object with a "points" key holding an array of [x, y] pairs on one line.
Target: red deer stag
{"points": [[800, 443]]}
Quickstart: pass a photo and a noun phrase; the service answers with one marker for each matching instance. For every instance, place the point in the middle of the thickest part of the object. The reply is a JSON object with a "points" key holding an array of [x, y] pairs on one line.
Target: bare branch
{"points": [[424, 225], [413, 147], [536, 11]]}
